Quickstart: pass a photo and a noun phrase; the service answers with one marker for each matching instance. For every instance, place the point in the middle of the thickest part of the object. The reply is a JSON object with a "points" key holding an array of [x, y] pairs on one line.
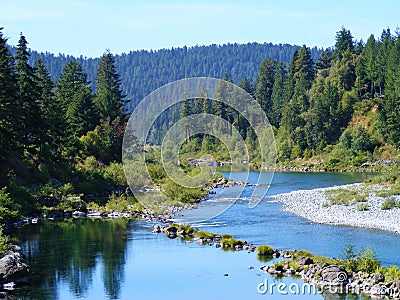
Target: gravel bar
{"points": [[314, 206]]}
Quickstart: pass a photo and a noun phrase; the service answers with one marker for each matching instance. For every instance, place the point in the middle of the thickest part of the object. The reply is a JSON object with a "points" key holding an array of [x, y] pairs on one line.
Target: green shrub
{"points": [[9, 210], [231, 242], [367, 260], [391, 273], [265, 250], [122, 203], [388, 203], [393, 190], [362, 206], [4, 243], [346, 197], [204, 234]]}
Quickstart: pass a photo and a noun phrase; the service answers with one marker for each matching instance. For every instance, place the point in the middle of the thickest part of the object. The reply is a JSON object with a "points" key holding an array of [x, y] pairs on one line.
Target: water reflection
{"points": [[69, 253]]}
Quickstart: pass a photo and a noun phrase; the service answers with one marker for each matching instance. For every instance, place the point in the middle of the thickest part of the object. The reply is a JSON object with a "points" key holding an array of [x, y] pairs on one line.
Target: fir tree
{"points": [[8, 94], [29, 117], [109, 97], [265, 83]]}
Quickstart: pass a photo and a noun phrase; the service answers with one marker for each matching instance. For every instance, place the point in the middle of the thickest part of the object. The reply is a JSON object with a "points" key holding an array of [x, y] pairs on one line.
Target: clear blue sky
{"points": [[89, 27]]}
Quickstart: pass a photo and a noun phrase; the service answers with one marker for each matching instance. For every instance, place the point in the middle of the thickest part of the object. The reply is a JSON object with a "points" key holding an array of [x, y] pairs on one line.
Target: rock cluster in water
{"points": [[13, 269]]}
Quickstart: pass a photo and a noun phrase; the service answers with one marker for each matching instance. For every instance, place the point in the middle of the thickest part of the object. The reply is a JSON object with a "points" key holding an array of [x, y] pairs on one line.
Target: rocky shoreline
{"points": [[314, 206], [334, 278]]}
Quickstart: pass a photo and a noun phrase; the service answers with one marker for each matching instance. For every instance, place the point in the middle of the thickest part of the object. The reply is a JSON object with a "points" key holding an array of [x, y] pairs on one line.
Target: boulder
{"points": [[276, 254], [378, 277], [334, 274], [13, 268], [305, 261]]}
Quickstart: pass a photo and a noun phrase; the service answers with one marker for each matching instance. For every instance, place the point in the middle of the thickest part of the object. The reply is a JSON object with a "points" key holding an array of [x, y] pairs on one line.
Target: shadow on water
{"points": [[70, 253]]}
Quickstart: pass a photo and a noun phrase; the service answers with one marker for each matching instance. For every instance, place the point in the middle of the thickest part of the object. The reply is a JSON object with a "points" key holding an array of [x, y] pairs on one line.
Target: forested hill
{"points": [[143, 71]]}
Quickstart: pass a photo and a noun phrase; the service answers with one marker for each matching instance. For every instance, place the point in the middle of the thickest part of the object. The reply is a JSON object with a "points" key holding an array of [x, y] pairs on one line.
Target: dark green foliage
{"points": [[344, 43], [364, 260], [358, 139], [76, 99], [265, 83], [8, 94], [265, 250], [28, 115], [108, 100], [5, 246], [182, 194], [9, 210]]}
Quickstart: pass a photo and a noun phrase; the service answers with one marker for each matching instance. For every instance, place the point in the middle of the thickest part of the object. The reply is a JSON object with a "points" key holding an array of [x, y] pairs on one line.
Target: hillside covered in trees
{"points": [[144, 71]]}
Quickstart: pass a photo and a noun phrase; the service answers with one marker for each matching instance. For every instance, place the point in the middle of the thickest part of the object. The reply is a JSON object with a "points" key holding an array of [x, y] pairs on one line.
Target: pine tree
{"points": [[386, 43], [53, 122], [76, 99], [8, 94], [301, 76], [370, 62], [29, 116], [324, 63], [344, 42], [389, 113], [278, 94], [265, 83], [246, 85], [109, 97]]}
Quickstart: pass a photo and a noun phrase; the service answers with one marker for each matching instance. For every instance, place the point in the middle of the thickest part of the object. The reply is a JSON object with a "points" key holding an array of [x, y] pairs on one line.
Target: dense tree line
{"points": [[144, 71]]}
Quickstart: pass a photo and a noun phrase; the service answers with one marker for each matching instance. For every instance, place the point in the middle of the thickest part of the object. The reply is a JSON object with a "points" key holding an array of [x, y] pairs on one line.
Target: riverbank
{"points": [[315, 206]]}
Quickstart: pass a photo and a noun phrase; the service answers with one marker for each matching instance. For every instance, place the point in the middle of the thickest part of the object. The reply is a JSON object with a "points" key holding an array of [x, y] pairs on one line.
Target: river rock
{"points": [[334, 274], [305, 261], [13, 268], [156, 228], [378, 277]]}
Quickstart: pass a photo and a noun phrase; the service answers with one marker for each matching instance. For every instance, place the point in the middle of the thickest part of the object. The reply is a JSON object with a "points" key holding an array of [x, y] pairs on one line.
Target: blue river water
{"points": [[94, 259]]}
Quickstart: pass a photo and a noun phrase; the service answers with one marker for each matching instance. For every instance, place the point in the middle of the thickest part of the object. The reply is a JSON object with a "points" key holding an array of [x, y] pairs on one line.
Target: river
{"points": [[94, 259]]}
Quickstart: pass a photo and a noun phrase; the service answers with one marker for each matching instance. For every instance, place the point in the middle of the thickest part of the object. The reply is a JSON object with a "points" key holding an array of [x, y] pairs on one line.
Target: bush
{"points": [[9, 210], [114, 173], [367, 260], [4, 243], [204, 235], [364, 261], [388, 203], [231, 242], [392, 272], [362, 206], [265, 250]]}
